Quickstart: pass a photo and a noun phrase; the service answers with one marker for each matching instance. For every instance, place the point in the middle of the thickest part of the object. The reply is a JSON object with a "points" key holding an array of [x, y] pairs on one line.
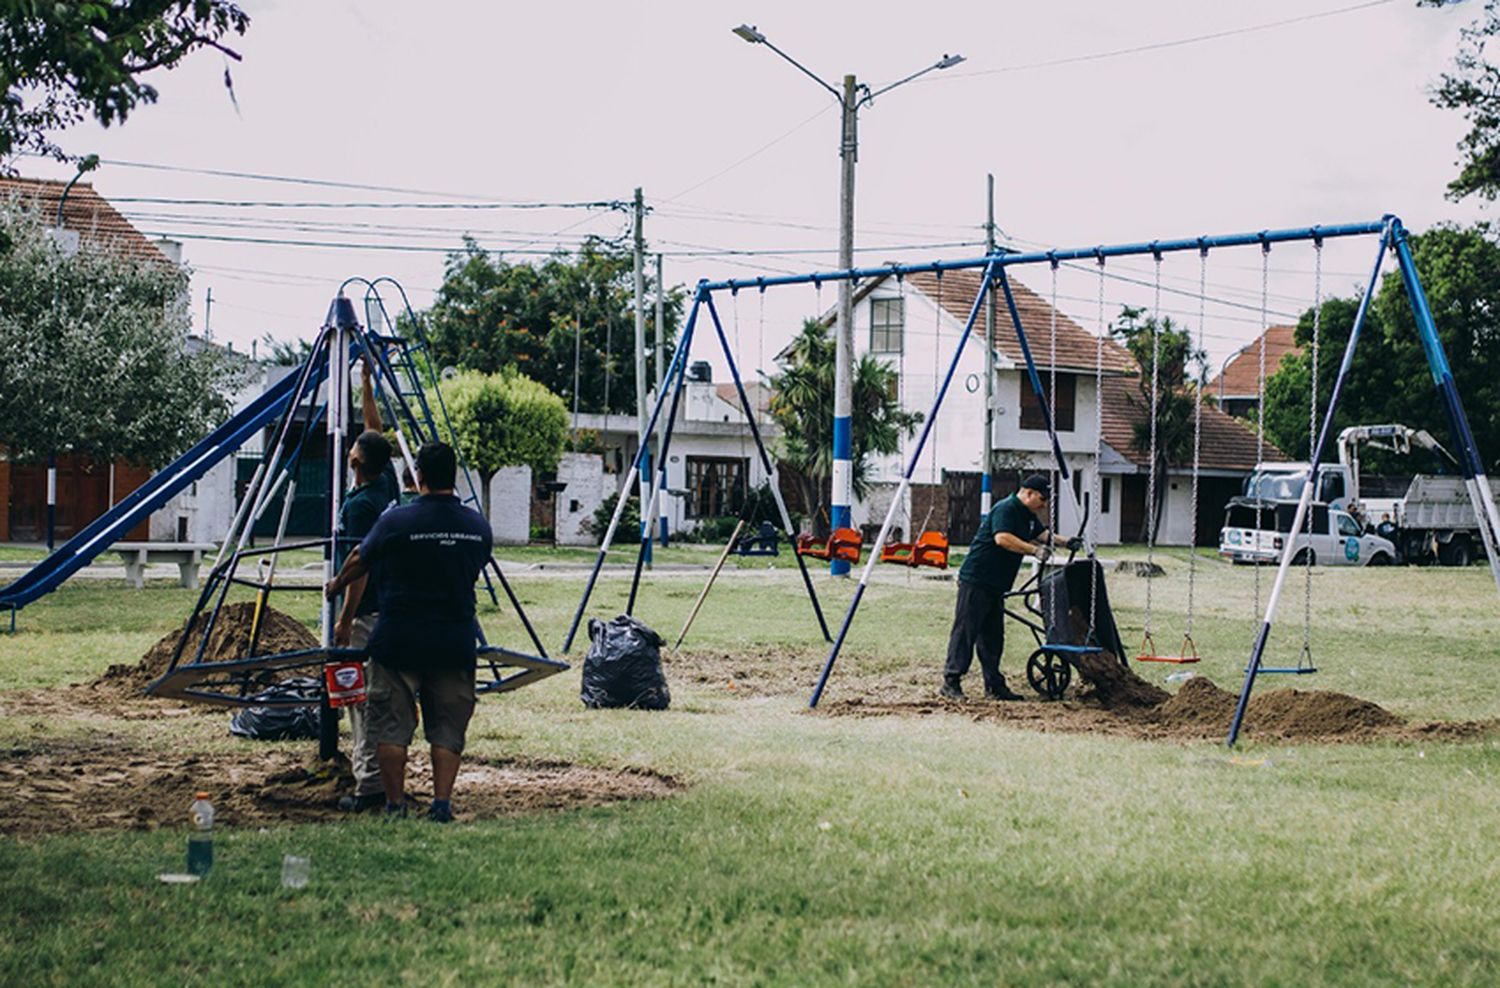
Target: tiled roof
{"points": [[756, 391], [86, 212], [1241, 376], [1227, 442], [1075, 345]]}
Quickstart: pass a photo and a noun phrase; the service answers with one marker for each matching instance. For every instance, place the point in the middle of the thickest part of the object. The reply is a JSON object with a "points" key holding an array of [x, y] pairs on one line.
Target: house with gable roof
{"points": [[913, 324]]}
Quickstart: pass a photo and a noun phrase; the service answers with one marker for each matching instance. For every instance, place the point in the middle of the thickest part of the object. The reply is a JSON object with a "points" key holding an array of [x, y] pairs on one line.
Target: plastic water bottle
{"points": [[1180, 677], [200, 854]]}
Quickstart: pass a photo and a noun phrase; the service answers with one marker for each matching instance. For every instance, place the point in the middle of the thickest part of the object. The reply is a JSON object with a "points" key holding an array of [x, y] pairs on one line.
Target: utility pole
{"points": [[842, 498], [644, 481], [208, 316], [985, 468], [661, 374]]}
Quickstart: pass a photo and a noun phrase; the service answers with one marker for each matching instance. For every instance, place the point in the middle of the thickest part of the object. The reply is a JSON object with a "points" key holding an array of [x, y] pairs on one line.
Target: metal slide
{"points": [[111, 526]]}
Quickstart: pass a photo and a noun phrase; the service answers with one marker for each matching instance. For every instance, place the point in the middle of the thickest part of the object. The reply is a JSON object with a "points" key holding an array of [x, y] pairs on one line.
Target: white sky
{"points": [[1321, 121]]}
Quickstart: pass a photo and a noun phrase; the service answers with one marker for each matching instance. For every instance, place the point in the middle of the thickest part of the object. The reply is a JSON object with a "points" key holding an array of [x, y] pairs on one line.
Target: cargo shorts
{"points": [[446, 696]]}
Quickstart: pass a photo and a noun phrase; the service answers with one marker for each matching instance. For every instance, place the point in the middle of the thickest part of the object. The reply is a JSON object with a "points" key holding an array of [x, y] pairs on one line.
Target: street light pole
{"points": [[851, 100], [85, 164]]}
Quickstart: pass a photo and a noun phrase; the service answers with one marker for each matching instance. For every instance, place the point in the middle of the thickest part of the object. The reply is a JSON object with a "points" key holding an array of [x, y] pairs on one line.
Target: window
{"points": [[893, 386], [1348, 526], [1333, 487], [1104, 496], [887, 319], [1031, 406], [716, 486]]}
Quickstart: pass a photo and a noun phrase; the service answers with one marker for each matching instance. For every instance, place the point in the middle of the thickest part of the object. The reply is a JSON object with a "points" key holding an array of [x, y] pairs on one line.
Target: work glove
{"points": [[1075, 543], [1043, 553]]}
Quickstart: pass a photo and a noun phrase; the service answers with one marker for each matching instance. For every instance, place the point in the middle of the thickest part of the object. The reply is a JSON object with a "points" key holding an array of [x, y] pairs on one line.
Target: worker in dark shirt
{"points": [[1012, 530], [374, 490], [425, 557]]}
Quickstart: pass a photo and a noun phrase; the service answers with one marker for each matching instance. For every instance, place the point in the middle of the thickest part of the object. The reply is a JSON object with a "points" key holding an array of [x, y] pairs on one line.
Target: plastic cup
{"points": [[295, 871]]}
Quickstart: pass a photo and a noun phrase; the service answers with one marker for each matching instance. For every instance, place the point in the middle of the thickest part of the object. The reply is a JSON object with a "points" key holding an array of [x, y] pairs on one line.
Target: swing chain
{"points": [[1260, 394], [1103, 329], [1151, 457], [1187, 633], [1052, 403], [1312, 441]]}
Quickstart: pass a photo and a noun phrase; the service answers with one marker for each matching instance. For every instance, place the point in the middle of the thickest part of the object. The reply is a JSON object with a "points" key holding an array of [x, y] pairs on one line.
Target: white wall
{"points": [[510, 505], [587, 487]]}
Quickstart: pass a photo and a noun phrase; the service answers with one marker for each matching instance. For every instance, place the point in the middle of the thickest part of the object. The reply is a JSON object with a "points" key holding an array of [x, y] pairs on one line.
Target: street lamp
{"points": [[853, 97], [85, 164]]}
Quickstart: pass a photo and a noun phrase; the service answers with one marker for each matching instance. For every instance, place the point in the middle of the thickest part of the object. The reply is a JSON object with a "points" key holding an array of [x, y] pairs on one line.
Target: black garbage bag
{"points": [[623, 667], [282, 723]]}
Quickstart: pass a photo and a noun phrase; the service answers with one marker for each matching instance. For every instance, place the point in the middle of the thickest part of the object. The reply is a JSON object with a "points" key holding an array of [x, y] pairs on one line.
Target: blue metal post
{"points": [[911, 466], [677, 369], [841, 512], [649, 505], [645, 533], [1481, 496], [1036, 379], [1252, 668]]}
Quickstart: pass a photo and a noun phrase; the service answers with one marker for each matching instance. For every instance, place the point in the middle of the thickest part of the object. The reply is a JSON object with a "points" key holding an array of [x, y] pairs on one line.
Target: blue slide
{"points": [[109, 527]]}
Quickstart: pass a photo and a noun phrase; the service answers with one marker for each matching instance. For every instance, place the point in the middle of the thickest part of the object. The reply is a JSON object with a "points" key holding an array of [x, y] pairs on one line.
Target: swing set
{"points": [[993, 267]]}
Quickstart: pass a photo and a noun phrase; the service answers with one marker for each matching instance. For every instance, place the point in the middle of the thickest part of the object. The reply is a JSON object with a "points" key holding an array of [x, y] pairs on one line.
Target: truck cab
{"points": [[1258, 530], [1283, 482]]}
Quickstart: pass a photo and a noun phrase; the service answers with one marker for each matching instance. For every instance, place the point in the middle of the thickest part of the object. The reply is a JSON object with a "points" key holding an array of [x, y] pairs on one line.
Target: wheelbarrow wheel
{"points": [[1048, 673]]}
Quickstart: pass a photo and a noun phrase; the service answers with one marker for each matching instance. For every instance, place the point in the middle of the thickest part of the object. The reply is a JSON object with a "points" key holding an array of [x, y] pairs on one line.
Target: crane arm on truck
{"points": [[1396, 438]]}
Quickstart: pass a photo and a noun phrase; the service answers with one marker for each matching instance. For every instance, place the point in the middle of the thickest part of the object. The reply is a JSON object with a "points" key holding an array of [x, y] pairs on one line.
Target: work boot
{"points": [[952, 690], [1000, 691], [362, 802], [441, 811]]}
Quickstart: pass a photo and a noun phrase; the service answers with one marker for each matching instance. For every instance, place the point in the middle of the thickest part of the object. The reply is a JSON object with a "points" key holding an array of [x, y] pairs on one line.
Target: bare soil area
{"points": [[109, 784]]}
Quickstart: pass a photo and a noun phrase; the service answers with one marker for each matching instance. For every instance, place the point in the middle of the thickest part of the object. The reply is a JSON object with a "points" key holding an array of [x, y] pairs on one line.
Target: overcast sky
{"points": [[1324, 120]]}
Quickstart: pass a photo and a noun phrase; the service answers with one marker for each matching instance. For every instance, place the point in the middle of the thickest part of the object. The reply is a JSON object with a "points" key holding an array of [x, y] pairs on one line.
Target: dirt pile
{"points": [[230, 639], [1199, 710], [1289, 714], [1113, 685], [106, 784]]}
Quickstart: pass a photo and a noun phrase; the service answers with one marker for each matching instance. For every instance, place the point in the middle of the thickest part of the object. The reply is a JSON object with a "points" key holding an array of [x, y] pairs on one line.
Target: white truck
{"points": [[1256, 531], [1428, 517]]}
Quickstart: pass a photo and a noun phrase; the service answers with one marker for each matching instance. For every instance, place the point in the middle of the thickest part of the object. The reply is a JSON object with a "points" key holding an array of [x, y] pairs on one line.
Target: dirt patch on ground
{"points": [[1199, 710], [229, 640], [107, 784]]}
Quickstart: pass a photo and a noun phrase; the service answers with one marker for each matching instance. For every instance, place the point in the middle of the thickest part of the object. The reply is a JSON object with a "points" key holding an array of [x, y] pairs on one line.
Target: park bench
{"points": [[138, 555]]}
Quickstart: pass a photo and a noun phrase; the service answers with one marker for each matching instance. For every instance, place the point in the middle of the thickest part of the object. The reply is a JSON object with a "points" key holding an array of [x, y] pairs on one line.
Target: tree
{"points": [[802, 406], [491, 314], [1473, 88], [1171, 346], [503, 420], [64, 62], [1389, 380], [94, 354]]}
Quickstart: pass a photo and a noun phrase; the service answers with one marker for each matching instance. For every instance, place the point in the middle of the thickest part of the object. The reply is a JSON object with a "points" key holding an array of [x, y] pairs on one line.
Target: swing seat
{"points": [[1287, 670], [764, 542], [1189, 653], [930, 549], [844, 544]]}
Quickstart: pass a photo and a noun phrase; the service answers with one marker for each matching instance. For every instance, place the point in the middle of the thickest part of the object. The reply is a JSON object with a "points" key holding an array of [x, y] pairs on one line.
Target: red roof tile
{"points": [[1227, 443], [1075, 345], [86, 212], [1241, 376]]}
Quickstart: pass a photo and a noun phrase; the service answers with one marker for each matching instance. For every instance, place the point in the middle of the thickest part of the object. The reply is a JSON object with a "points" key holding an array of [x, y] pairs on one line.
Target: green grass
{"points": [[823, 850]]}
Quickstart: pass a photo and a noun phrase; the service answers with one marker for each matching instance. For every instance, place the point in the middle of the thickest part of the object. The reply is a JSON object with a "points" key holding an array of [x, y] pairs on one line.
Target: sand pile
{"points": [[229, 640], [1113, 685]]}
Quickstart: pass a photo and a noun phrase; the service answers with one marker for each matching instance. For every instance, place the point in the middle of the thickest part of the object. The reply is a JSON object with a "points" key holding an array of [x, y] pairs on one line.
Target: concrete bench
{"points": [[138, 555]]}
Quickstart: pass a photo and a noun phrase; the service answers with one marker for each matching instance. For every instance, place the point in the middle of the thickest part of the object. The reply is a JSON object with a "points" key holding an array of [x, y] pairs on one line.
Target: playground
{"points": [[750, 839]]}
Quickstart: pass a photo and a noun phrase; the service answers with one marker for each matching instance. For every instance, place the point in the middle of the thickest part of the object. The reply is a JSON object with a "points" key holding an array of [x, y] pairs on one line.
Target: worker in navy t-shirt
{"points": [[1010, 531], [425, 556]]}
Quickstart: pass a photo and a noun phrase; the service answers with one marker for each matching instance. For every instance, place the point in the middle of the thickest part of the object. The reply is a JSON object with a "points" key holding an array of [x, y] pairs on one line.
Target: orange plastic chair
{"points": [[844, 543], [1188, 654]]}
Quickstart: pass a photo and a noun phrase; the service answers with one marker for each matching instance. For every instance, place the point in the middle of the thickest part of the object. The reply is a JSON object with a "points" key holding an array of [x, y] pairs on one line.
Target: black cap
{"points": [[1039, 483]]}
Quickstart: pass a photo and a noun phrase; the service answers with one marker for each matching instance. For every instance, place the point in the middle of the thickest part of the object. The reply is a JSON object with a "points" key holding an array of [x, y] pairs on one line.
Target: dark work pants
{"points": [[978, 622]]}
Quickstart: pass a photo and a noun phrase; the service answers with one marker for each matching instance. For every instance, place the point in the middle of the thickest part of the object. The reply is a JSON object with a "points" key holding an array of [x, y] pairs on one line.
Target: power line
{"points": [[1160, 45], [325, 204]]}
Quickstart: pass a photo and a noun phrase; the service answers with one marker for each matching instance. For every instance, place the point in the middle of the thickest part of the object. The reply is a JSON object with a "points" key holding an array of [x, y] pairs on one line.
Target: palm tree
{"points": [[802, 407]]}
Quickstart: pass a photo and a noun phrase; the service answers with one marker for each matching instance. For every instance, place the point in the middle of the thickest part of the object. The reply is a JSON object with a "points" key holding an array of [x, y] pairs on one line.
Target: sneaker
{"points": [[362, 802], [440, 813], [951, 690], [393, 812], [1002, 692]]}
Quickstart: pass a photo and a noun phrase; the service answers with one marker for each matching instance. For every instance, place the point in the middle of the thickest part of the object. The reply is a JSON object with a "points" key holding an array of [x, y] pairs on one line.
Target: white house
{"points": [[913, 326]]}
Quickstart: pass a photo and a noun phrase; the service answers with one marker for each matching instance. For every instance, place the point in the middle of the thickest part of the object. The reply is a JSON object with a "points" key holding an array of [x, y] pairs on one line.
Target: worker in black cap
{"points": [[1011, 530]]}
